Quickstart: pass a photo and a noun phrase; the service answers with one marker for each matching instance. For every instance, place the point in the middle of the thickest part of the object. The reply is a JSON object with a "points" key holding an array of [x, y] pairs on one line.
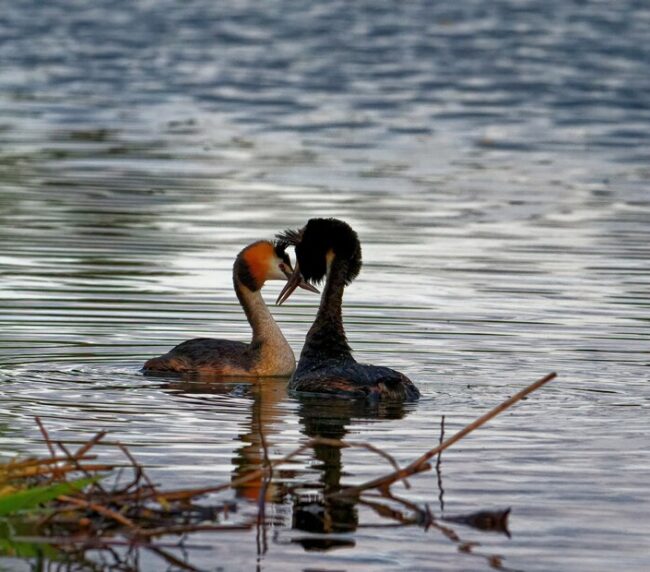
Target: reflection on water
{"points": [[493, 158], [325, 514]]}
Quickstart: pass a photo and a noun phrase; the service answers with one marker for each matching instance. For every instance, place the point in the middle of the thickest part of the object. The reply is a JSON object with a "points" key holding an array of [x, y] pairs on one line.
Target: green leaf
{"points": [[14, 549], [32, 498]]}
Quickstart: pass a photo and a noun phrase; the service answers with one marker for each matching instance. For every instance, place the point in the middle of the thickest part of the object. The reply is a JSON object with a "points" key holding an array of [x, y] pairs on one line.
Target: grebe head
{"points": [[318, 244], [264, 260]]}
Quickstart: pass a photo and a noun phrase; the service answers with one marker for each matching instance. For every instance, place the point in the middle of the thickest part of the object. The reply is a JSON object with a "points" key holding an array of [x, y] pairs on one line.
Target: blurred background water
{"points": [[494, 159]]}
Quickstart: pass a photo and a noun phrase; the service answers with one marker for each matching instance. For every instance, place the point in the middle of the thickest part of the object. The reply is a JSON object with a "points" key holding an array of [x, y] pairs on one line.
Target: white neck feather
{"points": [[260, 318]]}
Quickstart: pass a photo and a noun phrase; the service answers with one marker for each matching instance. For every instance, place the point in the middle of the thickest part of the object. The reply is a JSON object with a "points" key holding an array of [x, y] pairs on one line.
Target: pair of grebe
{"points": [[325, 248]]}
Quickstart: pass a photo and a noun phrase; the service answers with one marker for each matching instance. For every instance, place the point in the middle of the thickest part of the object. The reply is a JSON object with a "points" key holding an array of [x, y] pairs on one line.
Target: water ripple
{"points": [[493, 158]]}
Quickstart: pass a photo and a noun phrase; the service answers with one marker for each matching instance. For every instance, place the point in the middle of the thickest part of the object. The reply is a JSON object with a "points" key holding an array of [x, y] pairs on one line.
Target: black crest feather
{"points": [[290, 237], [280, 248], [316, 239]]}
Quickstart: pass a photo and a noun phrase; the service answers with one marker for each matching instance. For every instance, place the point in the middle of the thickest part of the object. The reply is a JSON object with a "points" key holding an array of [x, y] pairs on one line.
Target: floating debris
{"points": [[494, 520]]}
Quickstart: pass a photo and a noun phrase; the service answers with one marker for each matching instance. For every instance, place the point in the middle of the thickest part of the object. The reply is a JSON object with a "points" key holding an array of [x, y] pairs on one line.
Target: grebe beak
{"points": [[294, 281], [307, 286]]}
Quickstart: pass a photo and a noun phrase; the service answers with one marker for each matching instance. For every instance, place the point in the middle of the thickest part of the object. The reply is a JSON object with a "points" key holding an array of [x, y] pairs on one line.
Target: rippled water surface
{"points": [[494, 159]]}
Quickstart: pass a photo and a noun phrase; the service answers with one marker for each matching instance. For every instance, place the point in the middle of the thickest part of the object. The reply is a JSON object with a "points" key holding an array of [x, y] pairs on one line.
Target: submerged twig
{"points": [[441, 491], [117, 517], [171, 559], [185, 528]]}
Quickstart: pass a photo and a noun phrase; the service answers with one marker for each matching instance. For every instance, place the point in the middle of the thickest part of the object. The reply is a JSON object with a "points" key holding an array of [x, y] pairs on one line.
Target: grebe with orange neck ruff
{"points": [[268, 353]]}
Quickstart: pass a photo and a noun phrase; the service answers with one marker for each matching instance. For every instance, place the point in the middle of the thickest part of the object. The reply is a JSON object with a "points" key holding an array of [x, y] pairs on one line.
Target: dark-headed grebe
{"points": [[329, 247], [268, 354]]}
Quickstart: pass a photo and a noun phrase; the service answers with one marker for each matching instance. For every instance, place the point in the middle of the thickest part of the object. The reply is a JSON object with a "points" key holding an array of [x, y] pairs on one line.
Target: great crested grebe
{"points": [[329, 247], [268, 354]]}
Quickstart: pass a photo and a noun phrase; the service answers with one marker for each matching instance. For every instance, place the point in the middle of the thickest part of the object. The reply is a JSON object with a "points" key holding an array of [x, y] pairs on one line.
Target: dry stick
{"points": [[42, 471], [184, 528], [116, 516], [422, 517], [421, 464], [381, 453], [49, 444], [138, 467], [75, 468], [45, 436], [14, 465], [190, 493], [100, 541], [171, 559], [55, 472], [79, 466], [416, 466], [387, 495], [90, 444], [386, 511], [138, 474]]}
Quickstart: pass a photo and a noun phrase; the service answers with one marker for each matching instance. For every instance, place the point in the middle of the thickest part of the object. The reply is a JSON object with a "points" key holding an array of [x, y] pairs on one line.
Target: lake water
{"points": [[495, 161]]}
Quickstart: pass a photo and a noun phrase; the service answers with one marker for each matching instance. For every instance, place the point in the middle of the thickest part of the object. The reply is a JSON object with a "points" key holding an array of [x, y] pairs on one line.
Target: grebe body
{"points": [[268, 354], [330, 249]]}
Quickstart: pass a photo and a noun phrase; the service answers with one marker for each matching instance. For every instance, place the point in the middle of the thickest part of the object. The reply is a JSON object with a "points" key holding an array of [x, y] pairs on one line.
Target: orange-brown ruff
{"points": [[329, 247], [268, 354]]}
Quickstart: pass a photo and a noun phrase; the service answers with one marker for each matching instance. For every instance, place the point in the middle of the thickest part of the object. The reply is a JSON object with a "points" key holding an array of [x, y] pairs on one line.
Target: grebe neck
{"points": [[265, 329], [326, 338]]}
